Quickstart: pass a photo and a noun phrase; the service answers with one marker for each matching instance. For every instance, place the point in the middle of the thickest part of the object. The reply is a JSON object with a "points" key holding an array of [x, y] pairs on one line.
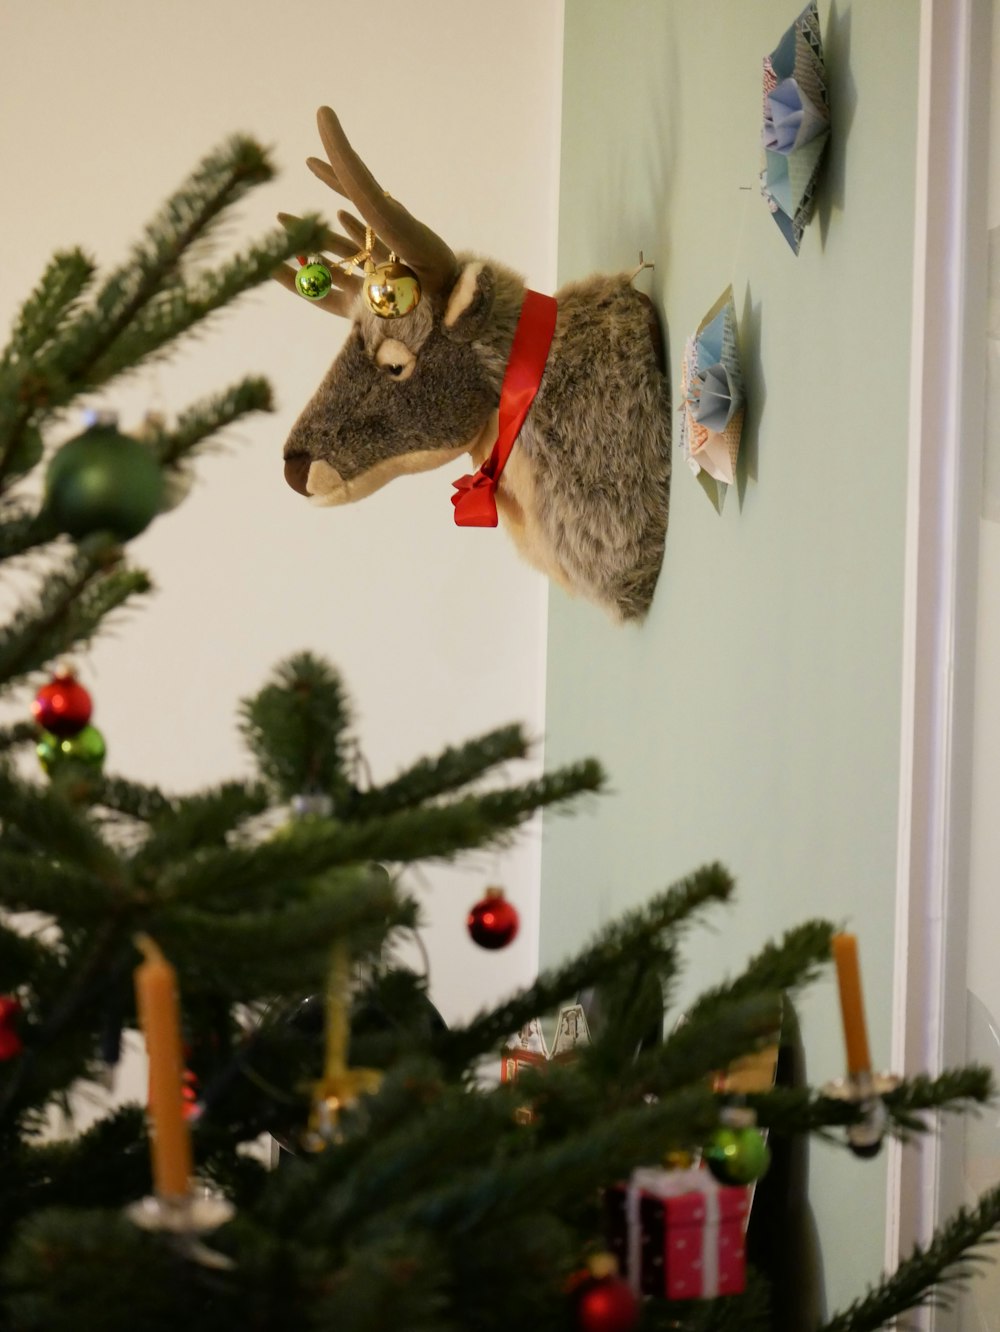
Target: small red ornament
{"points": [[62, 706], [191, 1108], [10, 1042], [605, 1304], [493, 922]]}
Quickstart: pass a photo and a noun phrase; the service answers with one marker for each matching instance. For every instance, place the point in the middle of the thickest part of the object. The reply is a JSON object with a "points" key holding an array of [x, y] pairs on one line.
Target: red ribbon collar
{"points": [[475, 501]]}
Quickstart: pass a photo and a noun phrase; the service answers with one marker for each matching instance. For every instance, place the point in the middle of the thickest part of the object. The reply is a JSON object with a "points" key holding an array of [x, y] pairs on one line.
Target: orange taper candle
{"points": [[852, 1007], [159, 1015]]}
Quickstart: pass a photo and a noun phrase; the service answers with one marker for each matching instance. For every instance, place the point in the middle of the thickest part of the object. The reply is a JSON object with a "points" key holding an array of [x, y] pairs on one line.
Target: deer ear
{"points": [[470, 302]]}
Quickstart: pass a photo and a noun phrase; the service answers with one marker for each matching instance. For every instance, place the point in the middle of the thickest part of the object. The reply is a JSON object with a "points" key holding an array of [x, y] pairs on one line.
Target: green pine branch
{"points": [[195, 822], [17, 734], [71, 605], [133, 800], [397, 1282], [25, 529], [789, 1110], [315, 846], [451, 770], [146, 304], [931, 1273], [56, 374], [77, 1243], [35, 883], [219, 182], [53, 300], [25, 959], [594, 965], [950, 1090], [697, 1049], [74, 1173], [258, 952], [748, 1312], [296, 728], [402, 1159], [170, 314], [55, 828], [41, 318], [207, 418], [793, 962], [553, 1177]]}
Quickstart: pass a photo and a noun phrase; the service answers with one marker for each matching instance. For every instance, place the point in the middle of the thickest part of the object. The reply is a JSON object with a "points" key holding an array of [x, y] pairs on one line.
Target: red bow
{"points": [[475, 500]]}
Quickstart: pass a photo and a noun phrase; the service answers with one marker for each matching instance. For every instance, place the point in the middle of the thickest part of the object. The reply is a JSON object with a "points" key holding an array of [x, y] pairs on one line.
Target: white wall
{"points": [[104, 107]]}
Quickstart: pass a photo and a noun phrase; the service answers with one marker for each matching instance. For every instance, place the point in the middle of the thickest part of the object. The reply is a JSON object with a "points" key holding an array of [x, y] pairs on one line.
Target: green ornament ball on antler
{"points": [[314, 280]]}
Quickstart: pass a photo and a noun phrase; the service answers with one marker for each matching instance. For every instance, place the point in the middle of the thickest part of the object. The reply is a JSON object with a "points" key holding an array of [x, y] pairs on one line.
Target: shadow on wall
{"points": [[756, 393], [782, 1241], [843, 104]]}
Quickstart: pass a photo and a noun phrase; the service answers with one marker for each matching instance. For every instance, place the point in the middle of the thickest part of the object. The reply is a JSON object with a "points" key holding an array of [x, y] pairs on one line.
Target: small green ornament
{"points": [[104, 481], [737, 1155], [86, 748], [314, 280]]}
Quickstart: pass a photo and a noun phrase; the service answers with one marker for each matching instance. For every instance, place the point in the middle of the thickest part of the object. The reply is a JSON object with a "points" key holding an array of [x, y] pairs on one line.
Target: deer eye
{"points": [[395, 358]]}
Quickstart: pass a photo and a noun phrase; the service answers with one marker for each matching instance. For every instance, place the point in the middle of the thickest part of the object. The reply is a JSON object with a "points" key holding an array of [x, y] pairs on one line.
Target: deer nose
{"points": [[297, 472]]}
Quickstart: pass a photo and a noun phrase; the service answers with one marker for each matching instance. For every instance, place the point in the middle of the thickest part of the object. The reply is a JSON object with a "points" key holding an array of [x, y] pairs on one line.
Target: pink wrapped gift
{"points": [[679, 1234]]}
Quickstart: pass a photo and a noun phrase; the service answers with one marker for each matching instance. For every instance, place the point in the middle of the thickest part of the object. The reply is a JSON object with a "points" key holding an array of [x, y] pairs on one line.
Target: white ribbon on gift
{"points": [[665, 1184]]}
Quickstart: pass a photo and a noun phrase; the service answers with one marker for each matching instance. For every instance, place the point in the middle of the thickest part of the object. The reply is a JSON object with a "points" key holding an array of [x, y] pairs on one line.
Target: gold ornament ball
{"points": [[392, 290]]}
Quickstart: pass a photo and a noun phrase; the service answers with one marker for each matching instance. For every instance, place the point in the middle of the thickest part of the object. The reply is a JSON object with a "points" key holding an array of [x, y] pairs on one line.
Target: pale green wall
{"points": [[754, 718]]}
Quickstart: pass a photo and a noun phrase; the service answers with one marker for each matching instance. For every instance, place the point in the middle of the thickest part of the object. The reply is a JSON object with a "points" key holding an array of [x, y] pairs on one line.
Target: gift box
{"points": [[679, 1234], [529, 1046]]}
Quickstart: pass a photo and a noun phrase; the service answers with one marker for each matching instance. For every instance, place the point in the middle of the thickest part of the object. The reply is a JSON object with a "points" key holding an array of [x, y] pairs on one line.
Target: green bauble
{"points": [[104, 481], [314, 280], [86, 748], [737, 1155]]}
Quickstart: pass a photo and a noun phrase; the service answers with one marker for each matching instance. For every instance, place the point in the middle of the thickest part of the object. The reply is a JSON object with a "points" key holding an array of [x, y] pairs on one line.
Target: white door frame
{"points": [[947, 396]]}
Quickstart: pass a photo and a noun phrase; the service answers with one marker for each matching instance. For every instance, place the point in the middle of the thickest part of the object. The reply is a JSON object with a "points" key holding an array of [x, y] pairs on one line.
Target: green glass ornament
{"points": [[104, 481], [737, 1155], [86, 748], [314, 280]]}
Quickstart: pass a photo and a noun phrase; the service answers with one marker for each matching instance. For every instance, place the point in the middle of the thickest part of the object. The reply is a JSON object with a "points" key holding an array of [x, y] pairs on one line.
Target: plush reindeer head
{"points": [[409, 393], [585, 492]]}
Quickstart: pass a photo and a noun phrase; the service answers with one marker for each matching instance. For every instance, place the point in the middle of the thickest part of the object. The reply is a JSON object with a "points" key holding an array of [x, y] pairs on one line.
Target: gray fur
{"points": [[597, 436]]}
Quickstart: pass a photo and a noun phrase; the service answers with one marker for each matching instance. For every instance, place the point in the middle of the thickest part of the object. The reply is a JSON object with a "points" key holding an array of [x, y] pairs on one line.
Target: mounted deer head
{"points": [[585, 491]]}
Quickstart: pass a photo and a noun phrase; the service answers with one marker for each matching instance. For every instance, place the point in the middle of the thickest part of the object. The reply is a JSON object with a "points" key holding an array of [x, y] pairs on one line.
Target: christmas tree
{"points": [[414, 1190]]}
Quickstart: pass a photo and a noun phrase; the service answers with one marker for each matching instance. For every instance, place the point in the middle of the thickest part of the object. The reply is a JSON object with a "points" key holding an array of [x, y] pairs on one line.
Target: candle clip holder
{"points": [[334, 1095], [185, 1219], [865, 1090], [312, 805]]}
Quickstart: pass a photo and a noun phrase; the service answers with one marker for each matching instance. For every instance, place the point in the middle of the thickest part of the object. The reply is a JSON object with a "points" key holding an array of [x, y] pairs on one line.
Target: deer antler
{"points": [[414, 242], [345, 285]]}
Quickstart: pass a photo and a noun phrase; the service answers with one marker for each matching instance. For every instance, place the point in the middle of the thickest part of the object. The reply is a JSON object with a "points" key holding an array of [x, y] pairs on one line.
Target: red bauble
{"points": [[190, 1107], [62, 707], [606, 1305], [493, 922], [10, 1042]]}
